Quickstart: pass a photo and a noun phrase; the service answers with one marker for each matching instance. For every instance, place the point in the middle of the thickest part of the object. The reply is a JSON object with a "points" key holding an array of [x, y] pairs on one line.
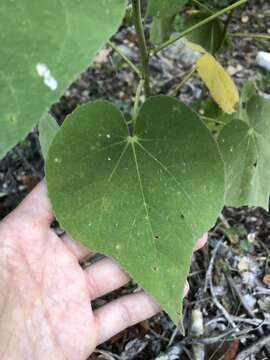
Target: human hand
{"points": [[45, 295]]}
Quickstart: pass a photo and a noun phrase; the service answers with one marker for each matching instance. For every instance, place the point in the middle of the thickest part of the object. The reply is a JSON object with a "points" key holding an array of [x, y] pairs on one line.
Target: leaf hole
{"points": [[156, 237], [255, 164], [182, 217], [155, 268]]}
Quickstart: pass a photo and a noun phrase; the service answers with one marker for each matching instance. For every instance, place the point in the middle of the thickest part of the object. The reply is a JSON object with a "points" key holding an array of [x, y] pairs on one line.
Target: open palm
{"points": [[45, 295]]}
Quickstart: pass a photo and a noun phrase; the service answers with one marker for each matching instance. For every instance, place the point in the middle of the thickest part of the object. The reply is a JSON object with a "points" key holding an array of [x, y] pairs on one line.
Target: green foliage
{"points": [[245, 149], [142, 199], [209, 36], [143, 193], [161, 30], [47, 128], [164, 8], [163, 13], [44, 47]]}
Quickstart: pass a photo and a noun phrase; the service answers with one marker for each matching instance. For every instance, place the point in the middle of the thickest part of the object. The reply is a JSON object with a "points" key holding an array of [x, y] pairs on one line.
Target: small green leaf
{"points": [[47, 128], [160, 30], [163, 13], [164, 8], [44, 47], [144, 199], [246, 152]]}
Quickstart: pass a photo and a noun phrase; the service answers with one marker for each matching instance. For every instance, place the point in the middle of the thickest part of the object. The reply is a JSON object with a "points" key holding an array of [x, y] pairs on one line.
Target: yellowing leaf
{"points": [[220, 84], [195, 47]]}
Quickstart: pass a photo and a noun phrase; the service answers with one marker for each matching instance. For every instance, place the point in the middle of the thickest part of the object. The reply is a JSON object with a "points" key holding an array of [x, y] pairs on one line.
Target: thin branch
{"points": [[226, 28], [251, 36], [198, 25], [125, 58], [183, 82], [203, 6], [253, 349], [144, 54], [209, 280]]}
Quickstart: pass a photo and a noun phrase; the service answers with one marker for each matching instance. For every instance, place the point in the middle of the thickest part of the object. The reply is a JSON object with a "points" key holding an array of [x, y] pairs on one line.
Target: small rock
{"points": [[266, 280], [243, 265], [249, 301], [232, 70], [251, 238], [244, 19], [172, 354], [263, 60]]}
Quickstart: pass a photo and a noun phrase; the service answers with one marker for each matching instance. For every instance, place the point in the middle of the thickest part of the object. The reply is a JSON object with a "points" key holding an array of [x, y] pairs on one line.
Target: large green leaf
{"points": [[246, 152], [164, 8], [143, 199], [44, 47]]}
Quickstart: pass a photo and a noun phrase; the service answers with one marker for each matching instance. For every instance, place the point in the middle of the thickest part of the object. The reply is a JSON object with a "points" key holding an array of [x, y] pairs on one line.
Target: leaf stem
{"points": [[183, 82], [197, 26], [207, 118], [226, 28], [137, 98], [144, 54], [203, 6], [125, 58], [252, 36]]}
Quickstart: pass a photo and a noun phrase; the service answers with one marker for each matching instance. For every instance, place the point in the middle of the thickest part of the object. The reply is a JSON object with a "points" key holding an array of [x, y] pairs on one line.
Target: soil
{"points": [[230, 277]]}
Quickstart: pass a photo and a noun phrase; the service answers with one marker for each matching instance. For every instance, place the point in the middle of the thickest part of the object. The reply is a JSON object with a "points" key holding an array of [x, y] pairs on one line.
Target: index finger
{"points": [[36, 207]]}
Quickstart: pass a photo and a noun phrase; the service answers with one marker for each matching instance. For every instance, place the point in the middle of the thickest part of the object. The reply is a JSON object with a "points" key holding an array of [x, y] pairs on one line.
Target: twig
{"points": [[197, 330], [209, 280], [203, 6], [239, 319], [183, 82], [227, 336], [27, 163], [251, 36], [253, 349], [125, 58]]}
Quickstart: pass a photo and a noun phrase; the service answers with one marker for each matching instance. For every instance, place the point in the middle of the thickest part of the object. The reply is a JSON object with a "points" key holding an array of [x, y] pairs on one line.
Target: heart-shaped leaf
{"points": [[44, 47], [142, 199], [246, 152]]}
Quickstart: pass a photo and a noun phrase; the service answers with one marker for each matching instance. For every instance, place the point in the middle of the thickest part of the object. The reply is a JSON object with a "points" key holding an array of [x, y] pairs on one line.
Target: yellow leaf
{"points": [[195, 47], [220, 84]]}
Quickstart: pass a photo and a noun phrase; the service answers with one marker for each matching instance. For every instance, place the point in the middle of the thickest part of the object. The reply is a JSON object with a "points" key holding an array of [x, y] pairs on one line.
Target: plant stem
{"points": [[125, 58], [183, 82], [198, 25], [252, 36], [137, 98], [144, 54], [226, 28], [203, 6]]}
